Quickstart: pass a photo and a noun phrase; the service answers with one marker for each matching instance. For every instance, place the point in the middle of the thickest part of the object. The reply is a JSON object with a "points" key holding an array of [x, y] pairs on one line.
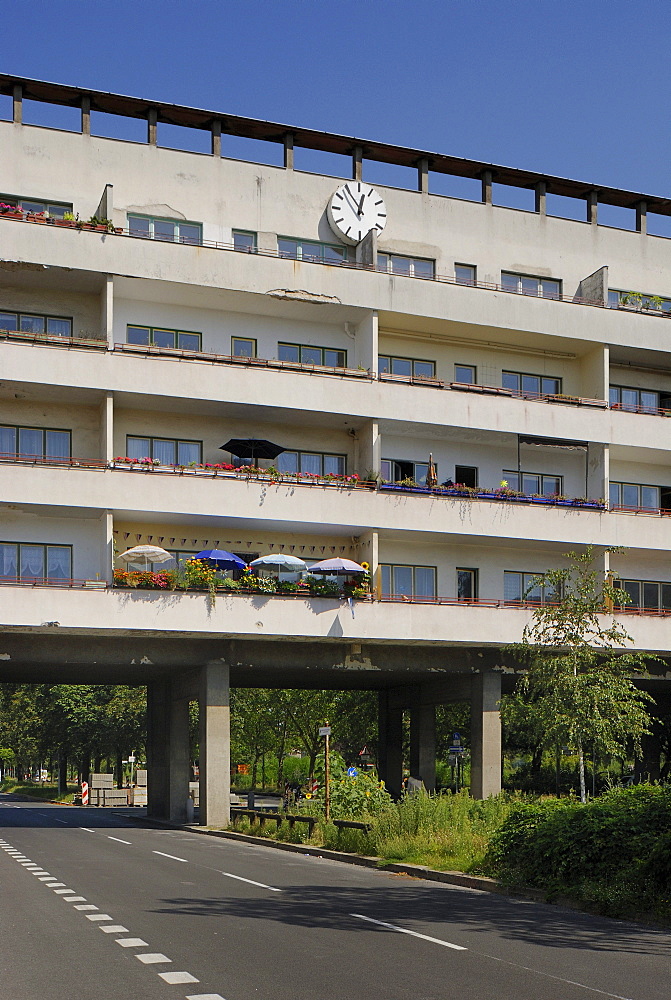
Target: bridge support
{"points": [[485, 734], [215, 745]]}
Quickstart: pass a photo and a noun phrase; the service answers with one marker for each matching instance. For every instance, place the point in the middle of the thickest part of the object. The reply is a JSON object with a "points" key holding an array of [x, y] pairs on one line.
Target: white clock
{"points": [[355, 209]]}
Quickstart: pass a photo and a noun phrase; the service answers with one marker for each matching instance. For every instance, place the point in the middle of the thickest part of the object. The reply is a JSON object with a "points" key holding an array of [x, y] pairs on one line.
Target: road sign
{"points": [[324, 730], [456, 739], [352, 772], [85, 793], [314, 787]]}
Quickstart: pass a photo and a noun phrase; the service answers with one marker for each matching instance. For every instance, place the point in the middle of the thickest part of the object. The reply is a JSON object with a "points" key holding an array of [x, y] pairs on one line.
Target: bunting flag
{"points": [[150, 538], [184, 541], [115, 531], [126, 535], [138, 537], [172, 541], [161, 539], [302, 548], [282, 548], [292, 547], [216, 543], [323, 549], [249, 545], [193, 541]]}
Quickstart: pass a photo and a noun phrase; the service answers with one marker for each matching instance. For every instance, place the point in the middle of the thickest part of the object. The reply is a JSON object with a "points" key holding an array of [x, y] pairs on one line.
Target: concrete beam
{"points": [[17, 104], [541, 197], [593, 207], [642, 217], [487, 178], [86, 115], [485, 734], [357, 163], [423, 175], [289, 151], [152, 119], [215, 745], [216, 138]]}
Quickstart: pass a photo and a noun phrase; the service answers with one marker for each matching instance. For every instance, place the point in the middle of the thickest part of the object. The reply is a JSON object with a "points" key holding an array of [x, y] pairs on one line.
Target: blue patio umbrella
{"points": [[220, 559]]}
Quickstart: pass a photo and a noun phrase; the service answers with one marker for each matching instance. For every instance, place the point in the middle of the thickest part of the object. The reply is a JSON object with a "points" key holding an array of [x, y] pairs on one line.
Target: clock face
{"points": [[355, 209]]}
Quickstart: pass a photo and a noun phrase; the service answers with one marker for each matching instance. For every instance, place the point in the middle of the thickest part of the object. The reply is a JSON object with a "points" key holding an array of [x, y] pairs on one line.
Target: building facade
{"points": [[520, 356]]}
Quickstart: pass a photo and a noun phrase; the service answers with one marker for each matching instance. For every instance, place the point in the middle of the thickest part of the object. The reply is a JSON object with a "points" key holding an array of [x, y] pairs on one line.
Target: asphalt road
{"points": [[93, 906]]}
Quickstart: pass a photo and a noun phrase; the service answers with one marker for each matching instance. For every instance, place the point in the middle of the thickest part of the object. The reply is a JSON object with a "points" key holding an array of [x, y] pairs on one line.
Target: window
{"points": [[406, 367], [645, 594], [408, 581], [534, 482], [245, 241], [466, 475], [467, 584], [638, 400], [53, 326], [305, 354], [527, 587], [529, 284], [466, 374], [393, 471], [529, 386], [321, 253], [635, 496], [466, 274], [30, 561], [170, 230], [242, 347], [55, 209], [34, 442], [147, 336], [412, 267], [167, 451], [311, 463], [618, 299]]}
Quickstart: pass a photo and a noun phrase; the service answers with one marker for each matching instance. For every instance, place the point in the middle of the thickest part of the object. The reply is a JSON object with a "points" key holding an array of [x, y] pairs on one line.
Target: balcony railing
{"points": [[52, 340]]}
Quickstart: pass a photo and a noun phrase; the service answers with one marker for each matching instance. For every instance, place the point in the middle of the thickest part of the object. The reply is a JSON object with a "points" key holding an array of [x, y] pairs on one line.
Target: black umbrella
{"points": [[252, 448]]}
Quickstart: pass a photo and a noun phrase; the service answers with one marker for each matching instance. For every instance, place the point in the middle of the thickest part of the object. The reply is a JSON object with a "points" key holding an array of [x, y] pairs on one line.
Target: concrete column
{"points": [[541, 197], [485, 734], [105, 209], [390, 744], [366, 251], [215, 745], [423, 743], [152, 118], [17, 104], [642, 217], [107, 428], [367, 551], [216, 138], [158, 736], [598, 464], [289, 151], [367, 342], [593, 207], [357, 163], [487, 180], [107, 546], [86, 115], [180, 769], [423, 175]]}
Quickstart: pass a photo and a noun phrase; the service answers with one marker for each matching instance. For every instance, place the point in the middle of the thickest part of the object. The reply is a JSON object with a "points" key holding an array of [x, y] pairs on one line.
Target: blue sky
{"points": [[579, 89]]}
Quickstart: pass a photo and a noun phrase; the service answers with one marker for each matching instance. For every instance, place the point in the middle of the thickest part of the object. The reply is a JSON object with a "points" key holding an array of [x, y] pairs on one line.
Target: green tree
{"points": [[578, 676]]}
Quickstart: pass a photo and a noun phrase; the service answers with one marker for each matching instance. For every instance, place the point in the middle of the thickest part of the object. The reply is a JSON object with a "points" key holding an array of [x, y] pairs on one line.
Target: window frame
{"points": [[619, 584], [11, 199], [473, 368], [531, 277], [323, 245], [160, 437], [638, 407], [44, 431], [513, 474], [312, 451], [538, 576], [413, 361], [473, 573], [246, 232], [406, 461], [523, 394], [465, 281], [20, 313], [247, 340], [165, 329], [153, 219], [388, 267], [393, 595], [311, 347], [45, 562], [638, 487]]}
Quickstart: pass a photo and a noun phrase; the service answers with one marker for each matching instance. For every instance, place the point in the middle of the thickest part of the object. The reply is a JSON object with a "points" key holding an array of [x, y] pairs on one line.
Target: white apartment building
{"points": [[362, 327]]}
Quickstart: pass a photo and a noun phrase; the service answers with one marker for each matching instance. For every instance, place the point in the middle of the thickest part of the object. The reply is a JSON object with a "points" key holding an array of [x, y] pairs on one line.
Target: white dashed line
{"points": [[89, 906], [403, 930], [170, 856], [174, 978], [120, 841], [114, 929], [63, 821], [30, 864], [86, 829], [154, 959], [205, 996], [251, 881], [132, 943], [62, 892], [98, 916], [47, 878], [58, 885]]}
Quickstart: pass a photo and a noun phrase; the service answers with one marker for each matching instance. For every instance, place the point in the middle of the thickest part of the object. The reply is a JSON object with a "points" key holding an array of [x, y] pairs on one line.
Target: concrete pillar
{"points": [[485, 734], [107, 311], [180, 765], [423, 743], [423, 175], [642, 217], [17, 104], [366, 251], [357, 163], [105, 209], [289, 151], [107, 546], [152, 119], [158, 737], [368, 551], [487, 180], [107, 428], [541, 197], [390, 744], [86, 115], [593, 207], [649, 765], [367, 341], [215, 745], [216, 138]]}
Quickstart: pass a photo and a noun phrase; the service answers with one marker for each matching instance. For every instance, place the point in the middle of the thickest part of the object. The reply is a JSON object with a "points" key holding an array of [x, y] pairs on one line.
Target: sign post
{"points": [[85, 793], [325, 731]]}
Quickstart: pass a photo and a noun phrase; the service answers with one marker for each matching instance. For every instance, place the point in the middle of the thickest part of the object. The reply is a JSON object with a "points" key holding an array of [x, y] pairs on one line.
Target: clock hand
{"points": [[360, 208]]}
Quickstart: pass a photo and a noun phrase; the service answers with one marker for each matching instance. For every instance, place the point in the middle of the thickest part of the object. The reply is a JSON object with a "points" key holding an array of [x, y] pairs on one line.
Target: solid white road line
{"points": [[154, 959], [174, 978], [403, 930], [132, 943], [114, 929], [170, 856], [120, 841], [251, 881]]}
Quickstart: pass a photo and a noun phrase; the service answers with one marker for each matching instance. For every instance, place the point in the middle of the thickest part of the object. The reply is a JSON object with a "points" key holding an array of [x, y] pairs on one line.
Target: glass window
{"points": [[550, 386], [288, 461], [171, 230], [421, 472], [31, 565], [138, 335], [466, 584], [31, 441], [414, 267], [57, 444], [401, 366], [402, 581], [163, 338], [465, 274], [531, 384], [8, 560], [243, 348], [406, 367], [59, 558], [138, 226], [164, 451], [137, 447], [288, 352], [311, 463], [188, 452], [650, 497], [8, 440], [530, 483], [334, 465], [334, 359], [465, 374], [8, 321], [629, 495], [164, 230], [425, 581], [160, 337], [188, 341], [614, 495], [550, 289], [666, 595], [423, 369], [529, 284], [306, 354], [311, 355], [244, 241], [509, 282], [59, 327], [510, 380], [408, 581], [551, 486], [649, 401], [651, 596], [188, 232], [466, 475], [32, 324], [311, 250], [613, 299]]}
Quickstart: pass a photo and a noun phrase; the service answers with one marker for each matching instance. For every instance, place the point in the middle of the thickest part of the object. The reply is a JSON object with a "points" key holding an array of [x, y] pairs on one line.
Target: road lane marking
{"points": [[98, 916], [120, 841], [548, 975], [86, 829], [58, 885], [174, 978], [170, 856], [154, 959], [114, 929], [89, 906], [205, 996], [132, 943], [47, 878], [251, 881], [63, 821], [404, 930], [31, 864], [74, 899], [62, 892]]}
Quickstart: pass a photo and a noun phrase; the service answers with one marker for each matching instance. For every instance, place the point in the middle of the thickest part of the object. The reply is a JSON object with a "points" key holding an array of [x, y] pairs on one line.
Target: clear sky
{"points": [[579, 89]]}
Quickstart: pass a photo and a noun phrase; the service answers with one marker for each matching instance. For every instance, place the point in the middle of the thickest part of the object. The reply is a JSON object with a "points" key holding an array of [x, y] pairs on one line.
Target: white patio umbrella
{"points": [[337, 567], [283, 561], [150, 553]]}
